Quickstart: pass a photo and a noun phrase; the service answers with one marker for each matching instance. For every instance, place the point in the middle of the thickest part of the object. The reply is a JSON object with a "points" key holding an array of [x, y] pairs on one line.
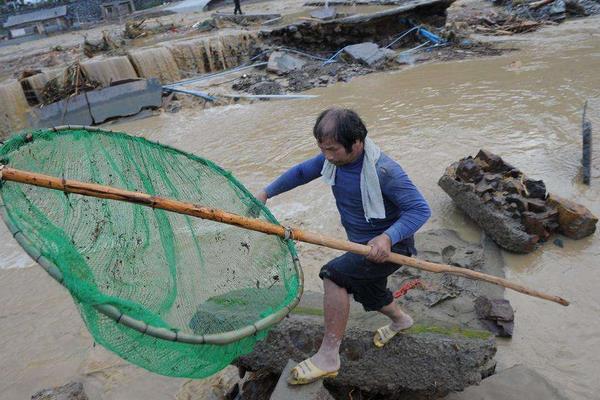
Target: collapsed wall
{"points": [[376, 27]]}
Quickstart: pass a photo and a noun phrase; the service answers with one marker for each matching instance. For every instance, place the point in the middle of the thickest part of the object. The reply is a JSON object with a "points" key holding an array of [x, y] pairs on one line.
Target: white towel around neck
{"points": [[370, 190]]}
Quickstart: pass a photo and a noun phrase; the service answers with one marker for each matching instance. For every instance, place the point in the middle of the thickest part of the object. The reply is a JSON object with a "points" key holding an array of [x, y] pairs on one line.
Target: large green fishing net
{"points": [[177, 274]]}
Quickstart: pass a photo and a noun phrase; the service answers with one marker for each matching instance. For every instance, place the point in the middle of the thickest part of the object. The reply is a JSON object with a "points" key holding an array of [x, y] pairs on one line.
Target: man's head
{"points": [[340, 134]]}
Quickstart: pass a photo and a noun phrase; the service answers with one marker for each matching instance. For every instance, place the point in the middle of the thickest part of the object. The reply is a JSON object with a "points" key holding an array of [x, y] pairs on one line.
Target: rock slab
{"points": [[285, 391], [368, 53], [424, 364], [282, 63]]}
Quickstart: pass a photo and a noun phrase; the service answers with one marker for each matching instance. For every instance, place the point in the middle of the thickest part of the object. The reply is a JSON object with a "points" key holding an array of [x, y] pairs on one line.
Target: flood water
{"points": [[525, 106]]}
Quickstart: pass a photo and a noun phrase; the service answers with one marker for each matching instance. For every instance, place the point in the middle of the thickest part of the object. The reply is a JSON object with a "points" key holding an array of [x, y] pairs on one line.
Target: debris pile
{"points": [[138, 29], [550, 10], [506, 25], [105, 44], [73, 82], [514, 210]]}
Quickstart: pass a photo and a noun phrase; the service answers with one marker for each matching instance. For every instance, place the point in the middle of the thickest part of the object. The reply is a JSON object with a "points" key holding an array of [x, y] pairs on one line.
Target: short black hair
{"points": [[342, 125]]}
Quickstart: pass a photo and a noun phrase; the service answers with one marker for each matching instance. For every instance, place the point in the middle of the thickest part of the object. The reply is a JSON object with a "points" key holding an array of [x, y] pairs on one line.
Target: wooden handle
{"points": [[214, 214]]}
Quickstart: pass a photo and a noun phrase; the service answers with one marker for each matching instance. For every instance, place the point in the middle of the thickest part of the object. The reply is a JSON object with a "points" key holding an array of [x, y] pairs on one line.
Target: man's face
{"points": [[336, 153]]}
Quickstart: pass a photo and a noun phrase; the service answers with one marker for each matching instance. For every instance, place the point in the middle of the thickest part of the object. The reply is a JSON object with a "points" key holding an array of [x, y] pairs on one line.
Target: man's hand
{"points": [[381, 248], [262, 196]]}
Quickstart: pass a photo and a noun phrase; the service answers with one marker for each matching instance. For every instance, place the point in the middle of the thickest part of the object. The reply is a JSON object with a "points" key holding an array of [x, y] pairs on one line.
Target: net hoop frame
{"points": [[116, 315]]}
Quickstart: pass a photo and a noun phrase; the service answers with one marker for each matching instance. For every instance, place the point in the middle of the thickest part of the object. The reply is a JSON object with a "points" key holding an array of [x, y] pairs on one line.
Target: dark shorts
{"points": [[366, 280]]}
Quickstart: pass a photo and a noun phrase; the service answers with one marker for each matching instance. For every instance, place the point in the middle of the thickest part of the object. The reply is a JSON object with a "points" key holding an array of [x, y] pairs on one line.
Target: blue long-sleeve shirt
{"points": [[405, 208]]}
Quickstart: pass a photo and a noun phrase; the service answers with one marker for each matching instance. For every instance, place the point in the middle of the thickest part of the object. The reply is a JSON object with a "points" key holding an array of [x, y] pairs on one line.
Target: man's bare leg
{"points": [[400, 319], [336, 305]]}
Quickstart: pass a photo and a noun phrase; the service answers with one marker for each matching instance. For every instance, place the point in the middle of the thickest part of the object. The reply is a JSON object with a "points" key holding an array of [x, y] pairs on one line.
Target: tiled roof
{"points": [[39, 15]]}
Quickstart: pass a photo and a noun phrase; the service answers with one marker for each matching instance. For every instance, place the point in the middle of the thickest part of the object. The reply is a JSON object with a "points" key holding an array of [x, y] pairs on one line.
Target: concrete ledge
{"points": [[124, 100]]}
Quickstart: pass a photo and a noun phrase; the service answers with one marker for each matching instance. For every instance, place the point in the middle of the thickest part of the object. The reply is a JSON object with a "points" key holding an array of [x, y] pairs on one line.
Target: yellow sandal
{"points": [[307, 372], [385, 334]]}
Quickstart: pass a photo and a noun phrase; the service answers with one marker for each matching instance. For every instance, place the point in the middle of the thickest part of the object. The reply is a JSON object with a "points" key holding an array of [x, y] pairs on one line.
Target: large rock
{"points": [[575, 221], [507, 231], [445, 349], [367, 53], [419, 363], [513, 210], [282, 63]]}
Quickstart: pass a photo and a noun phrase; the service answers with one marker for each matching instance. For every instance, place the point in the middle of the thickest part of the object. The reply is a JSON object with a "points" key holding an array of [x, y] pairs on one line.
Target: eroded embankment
{"points": [[176, 60]]}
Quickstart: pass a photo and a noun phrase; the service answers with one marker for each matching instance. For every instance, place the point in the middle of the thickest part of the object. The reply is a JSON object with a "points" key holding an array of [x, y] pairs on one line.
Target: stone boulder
{"points": [[513, 210], [282, 63], [426, 361], [575, 221], [446, 348]]}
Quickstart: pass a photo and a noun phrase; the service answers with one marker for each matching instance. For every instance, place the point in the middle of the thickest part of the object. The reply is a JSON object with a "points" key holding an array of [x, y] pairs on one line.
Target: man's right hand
{"points": [[262, 196]]}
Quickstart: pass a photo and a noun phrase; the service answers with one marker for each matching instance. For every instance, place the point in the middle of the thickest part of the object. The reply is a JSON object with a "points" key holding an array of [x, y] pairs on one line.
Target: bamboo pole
{"points": [[213, 214]]}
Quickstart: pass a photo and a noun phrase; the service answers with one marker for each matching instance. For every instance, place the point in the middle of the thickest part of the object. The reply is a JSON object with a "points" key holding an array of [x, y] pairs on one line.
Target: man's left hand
{"points": [[381, 248]]}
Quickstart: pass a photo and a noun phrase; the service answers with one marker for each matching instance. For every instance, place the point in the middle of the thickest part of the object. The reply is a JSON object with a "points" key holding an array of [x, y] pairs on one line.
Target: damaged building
{"points": [[39, 22]]}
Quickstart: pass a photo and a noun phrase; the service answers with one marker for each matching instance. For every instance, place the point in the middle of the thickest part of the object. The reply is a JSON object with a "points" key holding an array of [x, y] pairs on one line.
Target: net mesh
{"points": [[168, 270]]}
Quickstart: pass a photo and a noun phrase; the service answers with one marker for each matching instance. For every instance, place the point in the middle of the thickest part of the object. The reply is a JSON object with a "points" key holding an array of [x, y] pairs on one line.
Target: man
{"points": [[237, 7], [379, 206]]}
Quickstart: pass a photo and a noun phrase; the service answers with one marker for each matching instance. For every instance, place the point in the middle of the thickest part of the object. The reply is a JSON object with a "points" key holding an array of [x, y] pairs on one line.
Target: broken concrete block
{"points": [[367, 53], [417, 364], [514, 210], [489, 214], [574, 220], [72, 111], [496, 315], [282, 63], [325, 13], [312, 391], [124, 99]]}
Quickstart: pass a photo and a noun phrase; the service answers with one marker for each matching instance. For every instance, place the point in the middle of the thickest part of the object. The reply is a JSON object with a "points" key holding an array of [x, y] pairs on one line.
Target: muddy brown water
{"points": [[524, 105]]}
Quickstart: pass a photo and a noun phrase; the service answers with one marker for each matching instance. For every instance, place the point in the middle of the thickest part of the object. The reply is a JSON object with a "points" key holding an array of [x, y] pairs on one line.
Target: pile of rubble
{"points": [[517, 212], [550, 10]]}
